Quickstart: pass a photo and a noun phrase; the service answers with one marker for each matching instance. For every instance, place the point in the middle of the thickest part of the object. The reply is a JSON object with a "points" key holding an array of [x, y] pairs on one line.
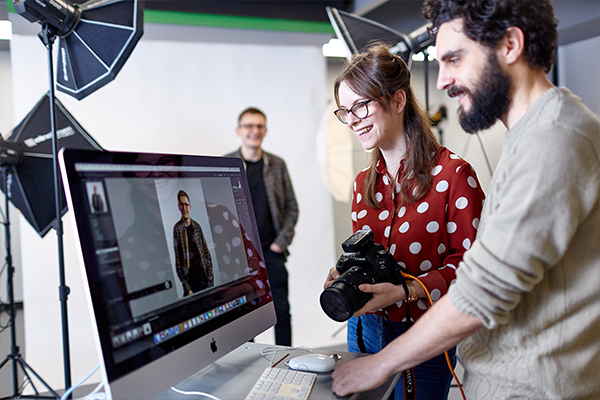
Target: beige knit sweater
{"points": [[533, 274]]}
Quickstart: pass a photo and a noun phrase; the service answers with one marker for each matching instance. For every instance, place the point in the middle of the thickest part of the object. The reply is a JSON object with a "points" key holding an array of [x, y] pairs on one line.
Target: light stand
{"points": [[96, 38], [48, 35], [14, 356]]}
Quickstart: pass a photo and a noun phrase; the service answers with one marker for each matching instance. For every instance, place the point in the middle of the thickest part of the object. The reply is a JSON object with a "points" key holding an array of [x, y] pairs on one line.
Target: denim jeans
{"points": [[432, 378]]}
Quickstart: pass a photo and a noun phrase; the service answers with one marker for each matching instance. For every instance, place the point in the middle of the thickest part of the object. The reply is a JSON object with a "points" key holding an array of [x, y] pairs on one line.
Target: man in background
{"points": [[275, 209], [525, 303], [192, 258]]}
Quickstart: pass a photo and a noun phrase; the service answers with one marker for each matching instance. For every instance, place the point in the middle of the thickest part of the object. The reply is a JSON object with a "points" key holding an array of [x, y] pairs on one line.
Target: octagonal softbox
{"points": [[93, 54], [33, 178]]}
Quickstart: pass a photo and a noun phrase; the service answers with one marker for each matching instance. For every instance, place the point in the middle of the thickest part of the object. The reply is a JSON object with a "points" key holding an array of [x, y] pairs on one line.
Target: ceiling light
{"points": [[421, 56], [335, 48], [5, 30]]}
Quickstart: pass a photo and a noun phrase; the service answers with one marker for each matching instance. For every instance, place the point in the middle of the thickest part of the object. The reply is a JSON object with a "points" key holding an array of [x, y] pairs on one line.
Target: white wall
{"points": [[579, 70], [181, 91], [184, 97]]}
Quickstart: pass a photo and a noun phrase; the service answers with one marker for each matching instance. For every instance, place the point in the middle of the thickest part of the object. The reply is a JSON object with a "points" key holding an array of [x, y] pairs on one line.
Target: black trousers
{"points": [[278, 278]]}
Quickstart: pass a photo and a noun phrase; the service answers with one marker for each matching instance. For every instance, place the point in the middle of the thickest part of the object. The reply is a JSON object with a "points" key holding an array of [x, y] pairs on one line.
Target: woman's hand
{"points": [[384, 295], [332, 276]]}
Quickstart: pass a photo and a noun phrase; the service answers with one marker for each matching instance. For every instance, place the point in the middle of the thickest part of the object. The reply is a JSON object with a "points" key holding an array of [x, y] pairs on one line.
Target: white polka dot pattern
{"points": [[462, 203], [415, 247], [442, 186], [466, 244], [433, 227], [472, 182], [451, 226], [404, 227], [387, 231], [428, 236]]}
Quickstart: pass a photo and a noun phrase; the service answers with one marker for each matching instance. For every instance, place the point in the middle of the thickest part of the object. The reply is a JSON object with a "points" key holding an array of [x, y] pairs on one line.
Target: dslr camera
{"points": [[363, 262]]}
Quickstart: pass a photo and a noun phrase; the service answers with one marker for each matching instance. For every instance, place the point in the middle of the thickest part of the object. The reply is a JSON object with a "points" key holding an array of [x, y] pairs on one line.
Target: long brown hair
{"points": [[378, 74]]}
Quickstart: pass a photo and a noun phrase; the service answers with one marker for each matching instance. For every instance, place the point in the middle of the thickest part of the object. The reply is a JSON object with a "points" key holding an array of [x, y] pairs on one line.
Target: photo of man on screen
{"points": [[96, 197], [193, 262]]}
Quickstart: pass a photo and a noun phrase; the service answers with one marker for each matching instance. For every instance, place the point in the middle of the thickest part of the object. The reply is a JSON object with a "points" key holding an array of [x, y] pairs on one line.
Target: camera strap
{"points": [[359, 337], [409, 374], [409, 384]]}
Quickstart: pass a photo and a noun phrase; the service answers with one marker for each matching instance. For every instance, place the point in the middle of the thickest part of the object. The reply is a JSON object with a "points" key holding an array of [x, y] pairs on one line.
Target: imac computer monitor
{"points": [[172, 261]]}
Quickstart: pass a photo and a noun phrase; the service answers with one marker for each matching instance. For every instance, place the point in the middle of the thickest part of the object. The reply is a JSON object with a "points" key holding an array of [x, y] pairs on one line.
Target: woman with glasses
{"points": [[421, 201]]}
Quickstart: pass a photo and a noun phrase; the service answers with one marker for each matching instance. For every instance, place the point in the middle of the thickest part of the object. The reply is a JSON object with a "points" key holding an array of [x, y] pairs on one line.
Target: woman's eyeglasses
{"points": [[359, 110]]}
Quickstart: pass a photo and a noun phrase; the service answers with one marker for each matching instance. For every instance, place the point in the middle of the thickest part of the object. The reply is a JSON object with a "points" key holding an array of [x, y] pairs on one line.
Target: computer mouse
{"points": [[312, 362]]}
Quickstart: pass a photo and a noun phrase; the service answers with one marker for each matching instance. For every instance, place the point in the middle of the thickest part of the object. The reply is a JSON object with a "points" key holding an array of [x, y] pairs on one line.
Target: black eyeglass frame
{"points": [[348, 111], [249, 127]]}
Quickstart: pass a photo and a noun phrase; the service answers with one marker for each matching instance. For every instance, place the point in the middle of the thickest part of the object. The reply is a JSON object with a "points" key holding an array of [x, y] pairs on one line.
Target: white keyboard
{"points": [[282, 384]]}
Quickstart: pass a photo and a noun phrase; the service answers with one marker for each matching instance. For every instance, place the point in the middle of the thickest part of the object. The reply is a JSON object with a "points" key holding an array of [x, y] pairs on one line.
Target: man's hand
{"points": [[332, 276], [439, 329], [384, 295], [360, 375], [276, 248]]}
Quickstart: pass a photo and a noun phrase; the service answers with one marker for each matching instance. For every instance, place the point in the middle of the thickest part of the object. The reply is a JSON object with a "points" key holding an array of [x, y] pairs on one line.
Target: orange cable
{"points": [[445, 352]]}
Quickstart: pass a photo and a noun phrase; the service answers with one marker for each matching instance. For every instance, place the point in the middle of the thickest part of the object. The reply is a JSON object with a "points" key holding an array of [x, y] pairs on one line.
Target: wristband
{"points": [[412, 292]]}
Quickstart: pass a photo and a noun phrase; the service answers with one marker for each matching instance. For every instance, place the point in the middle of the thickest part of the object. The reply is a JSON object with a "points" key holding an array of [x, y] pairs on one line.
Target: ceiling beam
{"points": [[582, 31]]}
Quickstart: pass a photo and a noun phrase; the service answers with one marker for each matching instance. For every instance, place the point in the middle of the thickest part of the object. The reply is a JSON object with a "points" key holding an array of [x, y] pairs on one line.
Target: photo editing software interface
{"points": [[170, 247]]}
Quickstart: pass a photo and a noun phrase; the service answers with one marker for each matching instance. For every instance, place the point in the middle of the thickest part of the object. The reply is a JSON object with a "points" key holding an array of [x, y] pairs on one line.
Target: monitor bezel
{"points": [[157, 376]]}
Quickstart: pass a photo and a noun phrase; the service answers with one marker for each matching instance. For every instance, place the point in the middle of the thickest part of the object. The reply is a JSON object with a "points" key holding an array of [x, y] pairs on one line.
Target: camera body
{"points": [[364, 261]]}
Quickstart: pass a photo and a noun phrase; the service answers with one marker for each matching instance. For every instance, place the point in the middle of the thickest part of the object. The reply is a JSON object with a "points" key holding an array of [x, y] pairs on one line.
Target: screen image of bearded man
{"points": [[192, 257]]}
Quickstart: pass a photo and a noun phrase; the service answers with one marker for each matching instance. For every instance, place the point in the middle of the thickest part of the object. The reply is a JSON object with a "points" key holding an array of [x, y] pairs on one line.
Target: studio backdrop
{"points": [[185, 97]]}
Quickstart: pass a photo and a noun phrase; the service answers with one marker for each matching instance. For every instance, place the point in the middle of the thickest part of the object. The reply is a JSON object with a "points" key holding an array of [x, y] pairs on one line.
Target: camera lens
{"points": [[343, 298]]}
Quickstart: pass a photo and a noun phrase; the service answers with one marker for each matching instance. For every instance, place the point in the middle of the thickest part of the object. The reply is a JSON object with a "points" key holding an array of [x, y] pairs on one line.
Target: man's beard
{"points": [[489, 99]]}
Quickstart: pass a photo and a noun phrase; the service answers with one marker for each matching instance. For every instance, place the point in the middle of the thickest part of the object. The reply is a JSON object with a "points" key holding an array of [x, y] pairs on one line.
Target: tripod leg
{"points": [[14, 356], [7, 359], [25, 367]]}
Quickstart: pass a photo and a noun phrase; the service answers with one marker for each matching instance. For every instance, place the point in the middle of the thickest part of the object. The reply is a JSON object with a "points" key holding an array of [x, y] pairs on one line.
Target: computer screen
{"points": [[172, 261]]}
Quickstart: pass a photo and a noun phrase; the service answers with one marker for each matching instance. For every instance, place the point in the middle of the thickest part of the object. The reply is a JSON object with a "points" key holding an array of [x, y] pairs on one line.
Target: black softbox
{"points": [[33, 178], [95, 38], [357, 32], [94, 53]]}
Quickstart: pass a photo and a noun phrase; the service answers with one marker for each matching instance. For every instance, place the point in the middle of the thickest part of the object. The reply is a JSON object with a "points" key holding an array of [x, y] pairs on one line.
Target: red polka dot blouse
{"points": [[430, 236]]}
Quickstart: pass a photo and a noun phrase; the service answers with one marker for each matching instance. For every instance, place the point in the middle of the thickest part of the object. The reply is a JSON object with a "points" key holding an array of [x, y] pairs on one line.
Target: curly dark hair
{"points": [[486, 22]]}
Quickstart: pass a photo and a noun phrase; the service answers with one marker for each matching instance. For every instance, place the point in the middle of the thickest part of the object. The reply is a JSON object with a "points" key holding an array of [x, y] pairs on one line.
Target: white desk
{"points": [[232, 376]]}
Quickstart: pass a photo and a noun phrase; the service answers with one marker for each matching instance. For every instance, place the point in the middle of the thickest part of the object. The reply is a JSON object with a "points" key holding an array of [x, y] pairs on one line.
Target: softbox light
{"points": [[95, 38], [33, 178], [357, 32]]}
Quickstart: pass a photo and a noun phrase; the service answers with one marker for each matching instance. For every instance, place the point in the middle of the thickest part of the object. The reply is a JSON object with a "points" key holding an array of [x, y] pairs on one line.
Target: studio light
{"points": [[95, 38], [29, 148], [10, 153], [358, 32]]}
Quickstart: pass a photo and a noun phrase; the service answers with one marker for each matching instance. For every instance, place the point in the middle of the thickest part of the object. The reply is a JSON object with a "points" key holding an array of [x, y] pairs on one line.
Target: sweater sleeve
{"points": [[544, 187]]}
